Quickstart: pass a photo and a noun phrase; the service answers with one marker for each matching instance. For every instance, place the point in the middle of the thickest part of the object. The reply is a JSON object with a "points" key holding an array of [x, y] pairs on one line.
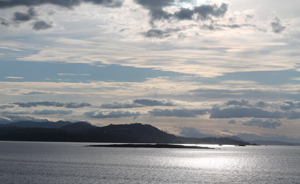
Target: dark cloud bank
{"points": [[204, 12], [112, 114], [62, 3], [277, 26], [137, 103], [178, 112], [53, 104], [22, 17], [264, 124]]}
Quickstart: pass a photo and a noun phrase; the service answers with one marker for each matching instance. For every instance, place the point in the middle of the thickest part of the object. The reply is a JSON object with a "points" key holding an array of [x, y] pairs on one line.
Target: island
{"points": [[149, 146]]}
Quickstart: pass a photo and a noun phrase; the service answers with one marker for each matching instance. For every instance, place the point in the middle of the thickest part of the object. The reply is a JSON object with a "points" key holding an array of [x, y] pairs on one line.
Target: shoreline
{"points": [[148, 146]]}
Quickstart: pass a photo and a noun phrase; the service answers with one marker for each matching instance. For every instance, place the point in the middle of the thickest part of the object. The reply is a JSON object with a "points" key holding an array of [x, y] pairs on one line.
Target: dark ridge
{"points": [[148, 146], [62, 131], [79, 126], [33, 124]]}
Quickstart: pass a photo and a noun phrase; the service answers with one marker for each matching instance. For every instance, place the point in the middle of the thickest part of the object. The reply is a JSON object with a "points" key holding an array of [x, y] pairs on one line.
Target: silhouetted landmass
{"points": [[149, 146], [32, 124], [260, 142], [84, 132]]}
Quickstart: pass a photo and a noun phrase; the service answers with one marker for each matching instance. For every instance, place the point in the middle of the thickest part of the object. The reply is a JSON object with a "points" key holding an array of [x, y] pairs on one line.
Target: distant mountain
{"points": [[235, 138], [79, 126], [85, 132], [260, 142], [33, 124]]}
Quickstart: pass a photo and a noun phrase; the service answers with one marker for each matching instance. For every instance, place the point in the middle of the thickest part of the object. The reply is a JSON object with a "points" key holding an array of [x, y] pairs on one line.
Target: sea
{"points": [[75, 163]]}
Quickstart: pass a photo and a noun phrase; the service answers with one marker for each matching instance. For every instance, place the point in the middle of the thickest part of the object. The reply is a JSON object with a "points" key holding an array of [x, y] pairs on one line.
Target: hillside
{"points": [[85, 132]]}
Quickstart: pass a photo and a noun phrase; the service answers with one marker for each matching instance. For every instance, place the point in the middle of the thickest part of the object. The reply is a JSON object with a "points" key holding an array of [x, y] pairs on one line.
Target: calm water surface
{"points": [[55, 163]]}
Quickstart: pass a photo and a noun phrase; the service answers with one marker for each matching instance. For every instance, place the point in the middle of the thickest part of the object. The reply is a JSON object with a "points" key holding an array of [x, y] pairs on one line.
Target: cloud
{"points": [[243, 93], [35, 93], [288, 105], [246, 103], [35, 104], [178, 112], [52, 112], [117, 105], [24, 17], [6, 106], [53, 104], [204, 12], [156, 33], [241, 112], [261, 104], [137, 103], [42, 25], [264, 124], [184, 14], [4, 22], [238, 103], [77, 105], [62, 3], [277, 26], [4, 120], [112, 114], [232, 121], [293, 115], [148, 102], [15, 118]]}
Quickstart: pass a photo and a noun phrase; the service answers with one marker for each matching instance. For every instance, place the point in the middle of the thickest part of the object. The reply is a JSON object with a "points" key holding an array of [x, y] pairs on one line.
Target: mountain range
{"points": [[64, 131]]}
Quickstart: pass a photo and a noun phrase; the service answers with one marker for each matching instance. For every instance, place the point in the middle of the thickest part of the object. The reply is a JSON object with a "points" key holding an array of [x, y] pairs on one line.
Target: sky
{"points": [[193, 68]]}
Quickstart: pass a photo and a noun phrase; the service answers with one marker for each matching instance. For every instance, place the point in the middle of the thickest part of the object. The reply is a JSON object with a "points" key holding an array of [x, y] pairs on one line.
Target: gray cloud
{"points": [[35, 104], [147, 102], [289, 105], [15, 118], [112, 114], [24, 17], [4, 120], [35, 93], [232, 121], [6, 106], [138, 103], [261, 104], [62, 3], [4, 22], [277, 26], [52, 112], [155, 8], [117, 105], [14, 113], [235, 94], [156, 33], [293, 115], [238, 103], [178, 112], [242, 112], [41, 25], [184, 14], [53, 104], [76, 105], [264, 124], [204, 12]]}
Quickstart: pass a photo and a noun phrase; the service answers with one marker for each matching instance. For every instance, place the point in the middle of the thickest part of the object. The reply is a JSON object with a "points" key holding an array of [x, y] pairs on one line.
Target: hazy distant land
{"points": [[149, 146], [64, 131]]}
